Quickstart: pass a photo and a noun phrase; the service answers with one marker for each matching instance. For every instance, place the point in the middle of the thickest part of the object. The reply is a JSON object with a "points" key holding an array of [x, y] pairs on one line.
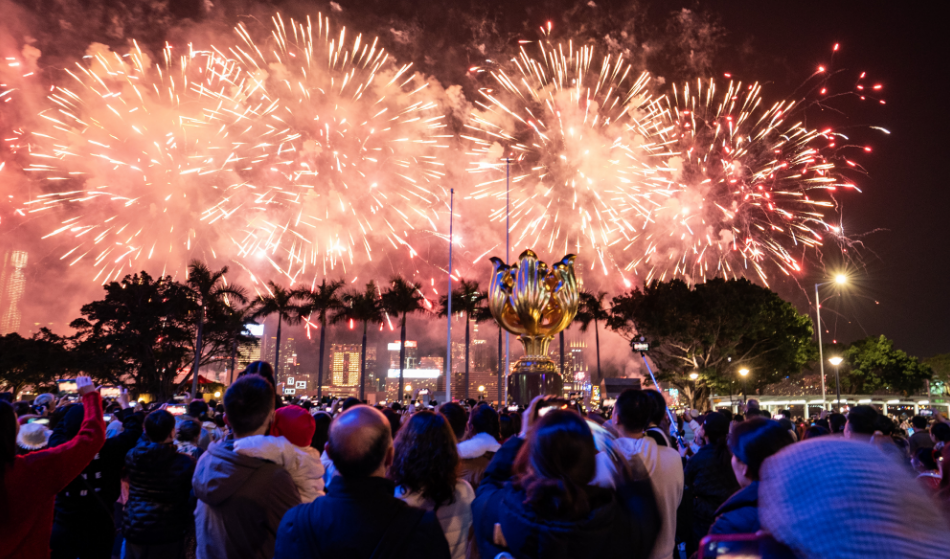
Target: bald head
{"points": [[360, 443]]}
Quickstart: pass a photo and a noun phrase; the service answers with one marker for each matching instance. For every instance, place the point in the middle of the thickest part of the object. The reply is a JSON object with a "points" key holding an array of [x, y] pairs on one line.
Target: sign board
{"points": [[395, 346], [290, 391], [301, 384], [641, 346], [290, 380]]}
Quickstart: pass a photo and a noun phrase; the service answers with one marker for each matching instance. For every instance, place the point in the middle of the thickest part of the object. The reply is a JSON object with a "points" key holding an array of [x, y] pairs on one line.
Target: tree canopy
{"points": [[873, 364]]}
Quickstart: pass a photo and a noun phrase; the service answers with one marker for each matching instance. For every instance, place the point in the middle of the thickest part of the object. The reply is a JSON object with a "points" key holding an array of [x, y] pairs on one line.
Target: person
{"points": [[632, 415], [425, 471], [943, 493], [321, 431], [869, 508], [536, 500], [921, 437], [264, 370], [158, 513], [477, 451], [288, 445], [815, 431], [940, 435], [241, 499], [751, 443], [189, 432], [928, 473], [32, 481], [659, 420], [83, 522], [360, 517], [456, 416], [861, 423], [32, 437], [836, 422], [198, 411], [709, 477]]}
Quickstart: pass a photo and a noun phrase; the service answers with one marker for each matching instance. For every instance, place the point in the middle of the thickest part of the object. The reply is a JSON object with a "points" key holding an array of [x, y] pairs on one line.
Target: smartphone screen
{"points": [[40, 420], [107, 418], [177, 409], [742, 546]]}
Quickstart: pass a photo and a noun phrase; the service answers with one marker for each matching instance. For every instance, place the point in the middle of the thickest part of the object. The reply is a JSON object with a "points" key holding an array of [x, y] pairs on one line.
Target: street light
{"points": [[743, 372], [837, 361], [693, 376], [840, 279], [481, 391]]}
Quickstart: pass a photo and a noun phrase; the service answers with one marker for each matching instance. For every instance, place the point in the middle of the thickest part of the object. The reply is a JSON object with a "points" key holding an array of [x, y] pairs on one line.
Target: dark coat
{"points": [[710, 482], [740, 513], [160, 507], [351, 520], [621, 524]]}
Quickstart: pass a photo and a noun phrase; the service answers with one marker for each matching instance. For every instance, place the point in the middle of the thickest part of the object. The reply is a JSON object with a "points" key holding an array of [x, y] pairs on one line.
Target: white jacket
{"points": [[665, 468], [303, 464], [477, 446], [455, 519]]}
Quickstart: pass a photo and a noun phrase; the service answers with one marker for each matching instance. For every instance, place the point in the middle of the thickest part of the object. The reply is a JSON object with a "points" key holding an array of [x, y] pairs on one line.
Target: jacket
{"points": [[711, 483], [241, 500], [159, 509], [665, 468], [34, 479], [352, 520], [303, 464], [475, 454], [740, 513], [455, 518], [621, 524], [77, 506]]}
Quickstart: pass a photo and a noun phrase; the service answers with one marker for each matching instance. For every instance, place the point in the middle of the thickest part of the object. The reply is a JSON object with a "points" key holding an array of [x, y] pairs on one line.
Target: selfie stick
{"points": [[660, 390]]}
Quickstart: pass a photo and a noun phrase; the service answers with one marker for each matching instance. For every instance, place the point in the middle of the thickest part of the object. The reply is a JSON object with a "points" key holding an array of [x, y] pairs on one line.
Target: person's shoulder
{"points": [[464, 491]]}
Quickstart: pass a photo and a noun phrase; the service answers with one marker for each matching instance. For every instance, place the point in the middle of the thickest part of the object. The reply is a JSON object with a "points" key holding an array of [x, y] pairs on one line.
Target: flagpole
{"points": [[448, 336], [507, 259]]}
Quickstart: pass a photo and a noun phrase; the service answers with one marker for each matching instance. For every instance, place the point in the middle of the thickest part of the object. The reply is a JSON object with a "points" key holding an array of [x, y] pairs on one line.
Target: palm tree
{"points": [[366, 307], [325, 301], [402, 298], [465, 299], [592, 310], [208, 288], [279, 302]]}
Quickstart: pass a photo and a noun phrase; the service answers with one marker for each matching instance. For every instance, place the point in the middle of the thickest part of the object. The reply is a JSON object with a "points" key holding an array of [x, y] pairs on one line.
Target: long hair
{"points": [[427, 458], [716, 430], [7, 437], [557, 463], [751, 442]]}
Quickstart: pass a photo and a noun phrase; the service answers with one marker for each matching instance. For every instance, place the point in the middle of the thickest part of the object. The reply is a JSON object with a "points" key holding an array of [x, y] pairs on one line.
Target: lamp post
{"points": [[481, 392], [837, 361], [743, 372], [839, 279]]}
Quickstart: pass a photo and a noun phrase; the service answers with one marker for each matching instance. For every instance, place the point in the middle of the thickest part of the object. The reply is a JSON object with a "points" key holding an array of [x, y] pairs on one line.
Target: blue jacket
{"points": [[621, 524], [740, 513]]}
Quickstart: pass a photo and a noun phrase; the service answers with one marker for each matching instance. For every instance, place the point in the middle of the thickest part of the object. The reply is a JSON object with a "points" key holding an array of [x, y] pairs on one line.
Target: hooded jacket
{"points": [[241, 500], [665, 468], [711, 483], [740, 513], [621, 524], [303, 464], [159, 507], [475, 454]]}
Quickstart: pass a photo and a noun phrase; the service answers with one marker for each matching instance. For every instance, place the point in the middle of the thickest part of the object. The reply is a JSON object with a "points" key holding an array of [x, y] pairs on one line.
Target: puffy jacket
{"points": [[474, 456], [710, 482], [455, 518], [159, 509], [621, 524], [740, 513]]}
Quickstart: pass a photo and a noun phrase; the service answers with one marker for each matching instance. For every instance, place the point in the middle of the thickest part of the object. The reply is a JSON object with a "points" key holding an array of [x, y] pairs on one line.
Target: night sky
{"points": [[899, 265]]}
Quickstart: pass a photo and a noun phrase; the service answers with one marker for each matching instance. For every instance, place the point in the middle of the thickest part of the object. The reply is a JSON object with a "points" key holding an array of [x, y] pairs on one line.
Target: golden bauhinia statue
{"points": [[535, 303]]}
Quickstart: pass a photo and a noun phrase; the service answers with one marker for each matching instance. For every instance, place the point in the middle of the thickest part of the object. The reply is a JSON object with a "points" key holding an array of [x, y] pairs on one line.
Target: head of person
{"points": [[715, 428], [262, 369], [861, 424], [924, 460], [556, 464], [727, 413], [484, 419], [294, 424], [943, 466], [9, 427], [426, 458], [815, 431], [395, 421], [940, 433], [160, 426], [249, 406], [919, 422], [361, 443], [634, 411], [189, 431], [884, 424], [456, 416], [350, 402], [658, 413], [751, 442], [836, 422], [321, 430], [197, 408], [506, 426]]}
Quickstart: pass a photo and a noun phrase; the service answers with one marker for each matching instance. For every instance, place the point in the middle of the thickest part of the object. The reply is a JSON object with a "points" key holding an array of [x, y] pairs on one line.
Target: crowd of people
{"points": [[258, 476]]}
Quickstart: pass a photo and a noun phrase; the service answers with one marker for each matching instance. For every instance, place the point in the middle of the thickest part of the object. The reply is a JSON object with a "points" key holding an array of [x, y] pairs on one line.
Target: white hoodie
{"points": [[303, 464], [665, 468]]}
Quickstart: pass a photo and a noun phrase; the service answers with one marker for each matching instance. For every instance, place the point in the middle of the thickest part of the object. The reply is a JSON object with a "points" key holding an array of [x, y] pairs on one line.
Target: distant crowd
{"points": [[261, 476]]}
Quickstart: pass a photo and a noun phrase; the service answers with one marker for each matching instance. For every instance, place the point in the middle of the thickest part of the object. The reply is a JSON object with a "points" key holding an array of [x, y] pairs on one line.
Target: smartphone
{"points": [[107, 417], [176, 409], [743, 546], [512, 408], [40, 420]]}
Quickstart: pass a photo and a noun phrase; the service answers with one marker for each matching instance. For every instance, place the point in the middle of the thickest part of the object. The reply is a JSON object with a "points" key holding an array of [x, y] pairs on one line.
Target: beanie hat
{"points": [[295, 424], [32, 436]]}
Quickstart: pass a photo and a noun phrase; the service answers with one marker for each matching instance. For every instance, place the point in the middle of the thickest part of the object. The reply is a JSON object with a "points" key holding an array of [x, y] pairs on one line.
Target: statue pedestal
{"points": [[533, 377]]}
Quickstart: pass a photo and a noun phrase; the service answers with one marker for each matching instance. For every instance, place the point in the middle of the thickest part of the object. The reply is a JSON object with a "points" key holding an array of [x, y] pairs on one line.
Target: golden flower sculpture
{"points": [[535, 303]]}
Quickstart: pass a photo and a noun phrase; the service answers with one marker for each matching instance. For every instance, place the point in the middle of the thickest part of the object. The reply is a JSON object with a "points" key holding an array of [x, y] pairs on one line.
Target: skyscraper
{"points": [[288, 356], [345, 364], [12, 284]]}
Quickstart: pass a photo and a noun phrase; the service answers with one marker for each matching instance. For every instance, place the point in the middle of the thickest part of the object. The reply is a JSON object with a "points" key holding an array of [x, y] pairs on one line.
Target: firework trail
{"points": [[309, 149]]}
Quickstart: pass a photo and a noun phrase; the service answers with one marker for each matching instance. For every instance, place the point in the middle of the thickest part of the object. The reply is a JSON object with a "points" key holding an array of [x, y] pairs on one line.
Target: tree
{"points": [[210, 289], [941, 368], [325, 301], [366, 307], [279, 302], [873, 364], [592, 310], [713, 330], [38, 361], [402, 298], [138, 335], [466, 299]]}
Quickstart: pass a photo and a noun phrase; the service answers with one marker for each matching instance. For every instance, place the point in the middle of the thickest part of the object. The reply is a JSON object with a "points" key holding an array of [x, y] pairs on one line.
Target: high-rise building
{"points": [[288, 356], [12, 285], [251, 353], [345, 364]]}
